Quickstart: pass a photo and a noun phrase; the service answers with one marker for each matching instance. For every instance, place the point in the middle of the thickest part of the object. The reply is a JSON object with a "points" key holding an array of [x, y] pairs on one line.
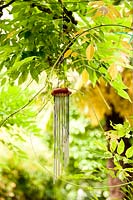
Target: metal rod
{"points": [[58, 130], [59, 133], [63, 129], [62, 123], [55, 139]]}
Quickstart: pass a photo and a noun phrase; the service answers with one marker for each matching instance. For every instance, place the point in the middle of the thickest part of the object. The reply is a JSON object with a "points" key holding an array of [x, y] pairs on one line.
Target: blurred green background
{"points": [[26, 153]]}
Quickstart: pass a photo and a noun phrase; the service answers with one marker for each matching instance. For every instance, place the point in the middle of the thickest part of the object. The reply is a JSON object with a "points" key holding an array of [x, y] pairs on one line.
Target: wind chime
{"points": [[61, 130]]}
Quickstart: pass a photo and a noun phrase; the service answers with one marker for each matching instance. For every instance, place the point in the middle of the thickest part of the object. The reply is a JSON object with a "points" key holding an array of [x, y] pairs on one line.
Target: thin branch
{"points": [[70, 2], [95, 188], [104, 100], [22, 108], [67, 13], [40, 110], [6, 5], [37, 157], [42, 8], [60, 59]]}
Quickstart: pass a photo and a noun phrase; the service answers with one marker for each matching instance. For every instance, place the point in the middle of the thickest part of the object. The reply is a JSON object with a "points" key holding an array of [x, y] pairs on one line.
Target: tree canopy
{"points": [[58, 35], [85, 45]]}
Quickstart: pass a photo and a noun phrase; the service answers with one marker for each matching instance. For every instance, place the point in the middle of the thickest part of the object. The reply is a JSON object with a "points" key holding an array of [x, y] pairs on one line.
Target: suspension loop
{"points": [[61, 130]]}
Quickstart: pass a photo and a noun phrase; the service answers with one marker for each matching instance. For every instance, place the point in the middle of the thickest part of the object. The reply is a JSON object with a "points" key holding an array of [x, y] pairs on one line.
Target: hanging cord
{"points": [[59, 69]]}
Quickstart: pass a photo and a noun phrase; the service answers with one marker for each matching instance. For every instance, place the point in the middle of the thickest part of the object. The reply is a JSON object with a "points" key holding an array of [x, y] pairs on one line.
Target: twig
{"points": [[61, 59], [42, 8], [67, 13], [6, 5], [104, 100], [22, 108], [40, 110]]}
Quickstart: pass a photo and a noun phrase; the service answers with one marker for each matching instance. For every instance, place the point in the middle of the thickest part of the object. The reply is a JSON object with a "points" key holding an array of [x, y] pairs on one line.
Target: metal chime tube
{"points": [[61, 130]]}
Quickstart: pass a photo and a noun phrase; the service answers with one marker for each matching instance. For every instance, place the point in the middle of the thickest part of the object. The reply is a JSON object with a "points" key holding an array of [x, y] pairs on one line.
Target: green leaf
{"points": [[93, 77], [129, 152], [118, 83], [124, 94], [121, 147], [3, 81], [117, 162], [101, 146], [34, 74], [18, 64], [120, 87], [103, 70], [107, 155], [23, 77], [113, 145]]}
